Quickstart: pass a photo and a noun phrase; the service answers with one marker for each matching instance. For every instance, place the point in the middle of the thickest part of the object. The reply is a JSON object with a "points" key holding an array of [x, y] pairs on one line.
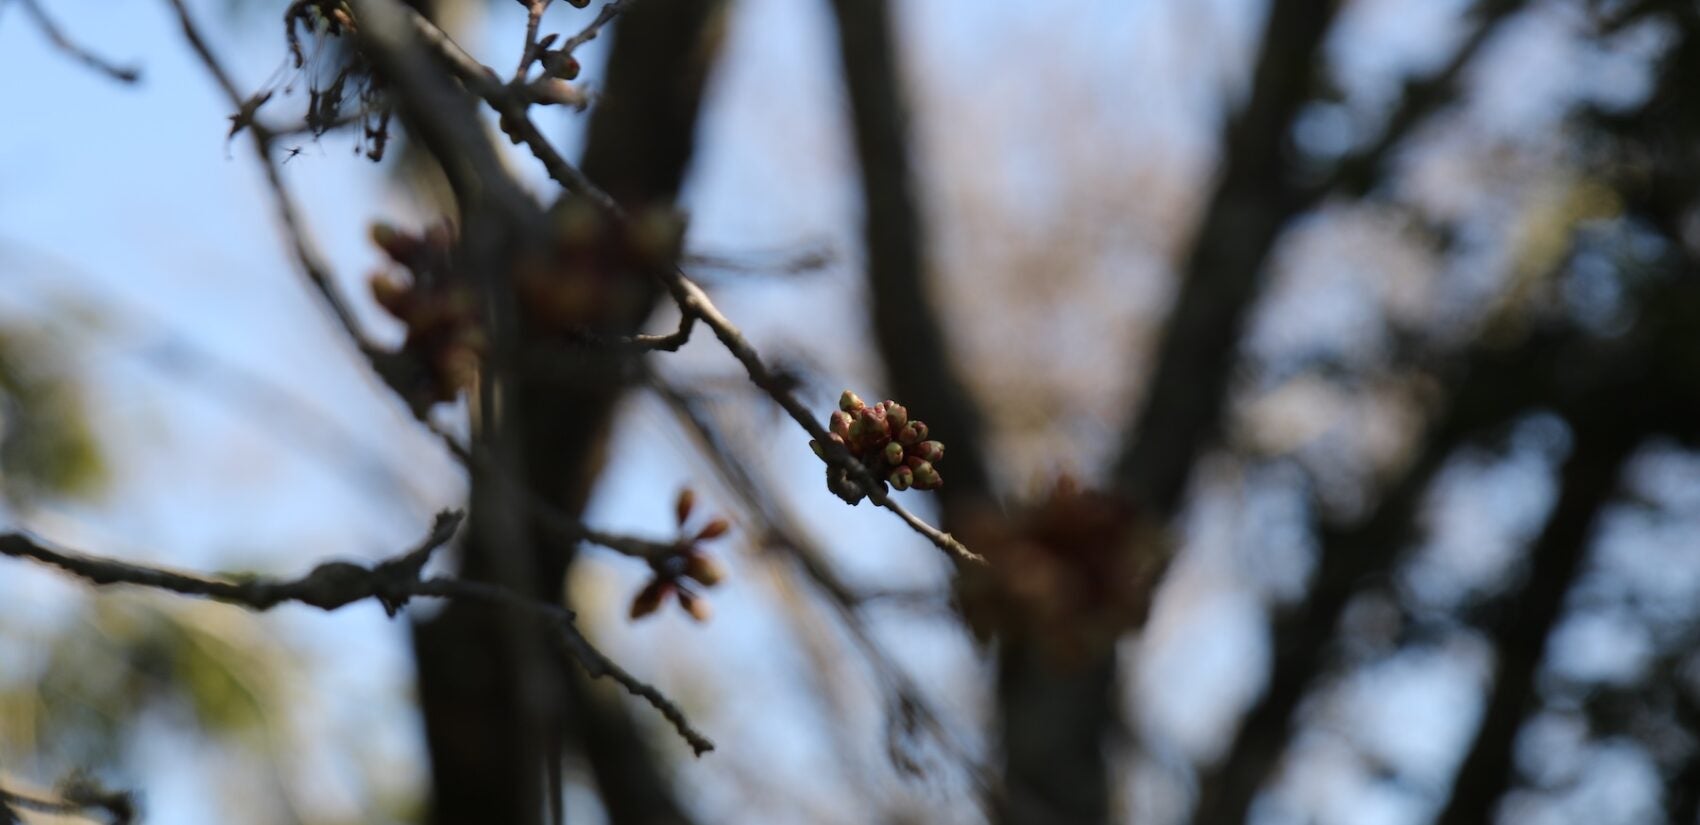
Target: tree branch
{"points": [[331, 585]]}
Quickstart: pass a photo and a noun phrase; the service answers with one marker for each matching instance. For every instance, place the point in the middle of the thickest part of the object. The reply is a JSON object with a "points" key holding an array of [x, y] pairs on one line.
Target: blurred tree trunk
{"points": [[489, 758], [1055, 712]]}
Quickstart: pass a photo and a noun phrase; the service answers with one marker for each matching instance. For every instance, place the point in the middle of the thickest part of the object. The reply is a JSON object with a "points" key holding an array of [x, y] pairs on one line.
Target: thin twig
{"points": [[392, 583], [294, 227], [534, 10], [690, 297], [50, 28], [609, 11]]}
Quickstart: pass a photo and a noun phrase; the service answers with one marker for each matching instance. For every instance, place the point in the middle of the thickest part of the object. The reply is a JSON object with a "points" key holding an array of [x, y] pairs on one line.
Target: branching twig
{"points": [[392, 583], [294, 227], [692, 300], [56, 35], [78, 798]]}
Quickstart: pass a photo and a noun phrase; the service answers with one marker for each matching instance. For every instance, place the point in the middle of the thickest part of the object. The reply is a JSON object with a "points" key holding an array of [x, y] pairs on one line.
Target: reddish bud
{"points": [[648, 599], [929, 451], [391, 294], [893, 453], [902, 478], [926, 478], [912, 433], [682, 507], [840, 424], [695, 605], [715, 529], [705, 569], [896, 415], [850, 402]]}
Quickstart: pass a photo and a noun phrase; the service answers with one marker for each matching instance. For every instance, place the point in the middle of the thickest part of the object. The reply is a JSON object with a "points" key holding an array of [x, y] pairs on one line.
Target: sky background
{"points": [[242, 433]]}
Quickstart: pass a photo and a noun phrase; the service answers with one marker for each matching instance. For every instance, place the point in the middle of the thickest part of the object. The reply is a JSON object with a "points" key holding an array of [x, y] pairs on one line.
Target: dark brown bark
{"points": [[1525, 621], [489, 755]]}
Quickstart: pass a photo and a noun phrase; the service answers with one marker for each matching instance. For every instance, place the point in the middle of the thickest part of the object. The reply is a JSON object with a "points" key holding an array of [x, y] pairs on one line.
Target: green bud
{"points": [[893, 453], [850, 402], [902, 478], [930, 451]]}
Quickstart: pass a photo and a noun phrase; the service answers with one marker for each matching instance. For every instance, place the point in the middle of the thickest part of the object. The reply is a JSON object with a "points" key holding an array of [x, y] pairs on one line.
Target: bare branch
{"points": [[392, 583], [56, 35]]}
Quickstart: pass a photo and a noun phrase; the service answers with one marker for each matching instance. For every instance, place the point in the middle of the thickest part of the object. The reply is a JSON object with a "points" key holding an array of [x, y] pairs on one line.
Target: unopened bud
{"points": [[391, 294], [648, 600], [893, 453], [912, 433], [902, 478], [695, 605], [850, 402], [926, 477], [704, 569], [930, 451], [819, 451], [715, 529], [896, 415], [840, 424], [682, 507]]}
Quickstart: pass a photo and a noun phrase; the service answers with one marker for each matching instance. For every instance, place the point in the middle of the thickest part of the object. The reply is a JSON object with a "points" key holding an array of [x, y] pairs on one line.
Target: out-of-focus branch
{"points": [[1525, 621], [1221, 277], [79, 798], [57, 36], [1492, 387], [1358, 172], [392, 583], [691, 299]]}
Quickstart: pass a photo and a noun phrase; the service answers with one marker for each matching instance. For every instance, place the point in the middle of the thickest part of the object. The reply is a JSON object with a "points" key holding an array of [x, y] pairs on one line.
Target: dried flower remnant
{"points": [[885, 440], [673, 572]]}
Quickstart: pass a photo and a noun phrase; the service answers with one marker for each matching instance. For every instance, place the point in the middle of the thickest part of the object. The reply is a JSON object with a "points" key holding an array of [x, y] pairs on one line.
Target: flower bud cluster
{"points": [[440, 310], [673, 572], [887, 441]]}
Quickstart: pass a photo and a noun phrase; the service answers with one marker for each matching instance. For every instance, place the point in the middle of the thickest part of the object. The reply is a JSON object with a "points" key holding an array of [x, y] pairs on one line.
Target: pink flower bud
{"points": [[927, 478], [850, 402], [902, 478], [896, 415], [840, 424], [912, 433], [929, 451], [893, 453]]}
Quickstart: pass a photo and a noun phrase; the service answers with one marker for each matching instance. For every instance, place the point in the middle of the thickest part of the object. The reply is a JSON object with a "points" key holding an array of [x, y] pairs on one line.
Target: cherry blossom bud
{"points": [[648, 599], [893, 453], [715, 529], [682, 507], [695, 605], [902, 478], [926, 478], [850, 402], [896, 415], [912, 433], [705, 569], [929, 451], [840, 425]]}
